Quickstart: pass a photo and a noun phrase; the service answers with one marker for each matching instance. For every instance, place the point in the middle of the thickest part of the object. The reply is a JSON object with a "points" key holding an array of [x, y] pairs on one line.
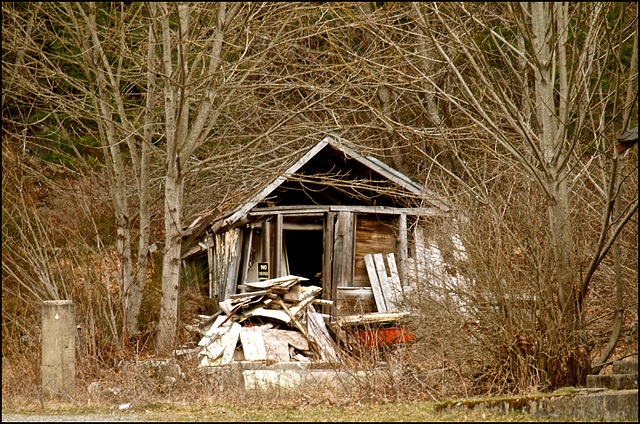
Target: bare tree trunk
{"points": [[137, 288], [115, 166], [171, 263], [184, 134], [560, 231], [551, 144], [108, 84], [170, 269], [144, 187]]}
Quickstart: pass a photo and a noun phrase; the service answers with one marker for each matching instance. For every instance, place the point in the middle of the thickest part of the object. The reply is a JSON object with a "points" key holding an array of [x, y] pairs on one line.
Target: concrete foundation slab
{"points": [[257, 376]]}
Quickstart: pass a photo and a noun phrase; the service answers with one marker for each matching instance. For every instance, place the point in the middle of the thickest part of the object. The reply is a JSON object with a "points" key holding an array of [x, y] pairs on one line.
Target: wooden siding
{"points": [[374, 234]]}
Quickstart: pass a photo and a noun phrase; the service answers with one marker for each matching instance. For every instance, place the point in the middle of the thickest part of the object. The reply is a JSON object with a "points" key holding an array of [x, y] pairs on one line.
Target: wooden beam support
{"points": [[403, 249], [343, 253], [277, 249], [246, 256], [310, 209], [299, 226], [266, 246], [327, 262], [233, 264], [209, 244]]}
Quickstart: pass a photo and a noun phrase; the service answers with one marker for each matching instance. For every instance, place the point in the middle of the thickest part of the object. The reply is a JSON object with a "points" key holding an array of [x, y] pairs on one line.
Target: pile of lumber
{"points": [[274, 294], [271, 321]]}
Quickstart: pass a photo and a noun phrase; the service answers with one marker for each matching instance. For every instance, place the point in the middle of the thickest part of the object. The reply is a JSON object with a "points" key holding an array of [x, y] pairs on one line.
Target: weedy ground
{"points": [[410, 393], [123, 396], [291, 411]]}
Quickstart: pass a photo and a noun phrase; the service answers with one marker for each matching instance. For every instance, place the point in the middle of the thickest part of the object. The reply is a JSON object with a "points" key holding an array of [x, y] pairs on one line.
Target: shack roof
{"points": [[329, 163]]}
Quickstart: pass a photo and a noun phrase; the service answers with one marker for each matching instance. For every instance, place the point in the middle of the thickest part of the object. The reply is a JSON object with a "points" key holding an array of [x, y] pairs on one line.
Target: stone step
{"points": [[613, 381], [608, 406], [619, 405], [626, 367]]}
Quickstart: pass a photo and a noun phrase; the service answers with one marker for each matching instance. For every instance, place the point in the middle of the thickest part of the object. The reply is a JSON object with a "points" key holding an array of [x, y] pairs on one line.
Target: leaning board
{"points": [[375, 284]]}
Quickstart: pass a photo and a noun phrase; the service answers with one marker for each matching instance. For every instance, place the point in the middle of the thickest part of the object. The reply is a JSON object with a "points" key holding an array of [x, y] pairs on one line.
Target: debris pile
{"points": [[271, 321]]}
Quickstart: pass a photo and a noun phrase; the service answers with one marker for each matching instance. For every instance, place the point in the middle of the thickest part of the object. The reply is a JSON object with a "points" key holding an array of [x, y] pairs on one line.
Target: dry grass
{"points": [[416, 377], [400, 380]]}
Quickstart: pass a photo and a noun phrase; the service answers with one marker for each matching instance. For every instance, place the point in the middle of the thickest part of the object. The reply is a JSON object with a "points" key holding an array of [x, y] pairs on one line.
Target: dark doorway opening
{"points": [[304, 251]]}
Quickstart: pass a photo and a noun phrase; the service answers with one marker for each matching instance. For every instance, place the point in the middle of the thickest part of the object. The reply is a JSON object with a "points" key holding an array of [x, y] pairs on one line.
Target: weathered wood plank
{"points": [[375, 317], [284, 281], [308, 294], [318, 332], [226, 258], [396, 287], [231, 281], [338, 259], [294, 338], [294, 294], [248, 294], [350, 243], [214, 331], [301, 226], [246, 255], [385, 282], [343, 253], [220, 351], [231, 343], [211, 263], [356, 300], [297, 323], [276, 348], [253, 344], [375, 284]]}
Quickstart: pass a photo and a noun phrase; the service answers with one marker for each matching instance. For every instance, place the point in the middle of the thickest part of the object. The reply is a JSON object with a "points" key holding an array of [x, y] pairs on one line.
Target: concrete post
{"points": [[58, 347]]}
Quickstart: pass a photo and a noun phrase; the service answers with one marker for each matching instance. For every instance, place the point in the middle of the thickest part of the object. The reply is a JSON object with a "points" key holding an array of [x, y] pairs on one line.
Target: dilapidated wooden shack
{"points": [[320, 219]]}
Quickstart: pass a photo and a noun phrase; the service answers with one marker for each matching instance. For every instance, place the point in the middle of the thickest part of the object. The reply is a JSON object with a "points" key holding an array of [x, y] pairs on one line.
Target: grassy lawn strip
{"points": [[383, 412], [365, 411]]}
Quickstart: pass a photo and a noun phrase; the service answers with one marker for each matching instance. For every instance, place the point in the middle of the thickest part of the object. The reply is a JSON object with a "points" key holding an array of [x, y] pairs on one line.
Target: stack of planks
{"points": [[282, 301], [265, 293]]}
